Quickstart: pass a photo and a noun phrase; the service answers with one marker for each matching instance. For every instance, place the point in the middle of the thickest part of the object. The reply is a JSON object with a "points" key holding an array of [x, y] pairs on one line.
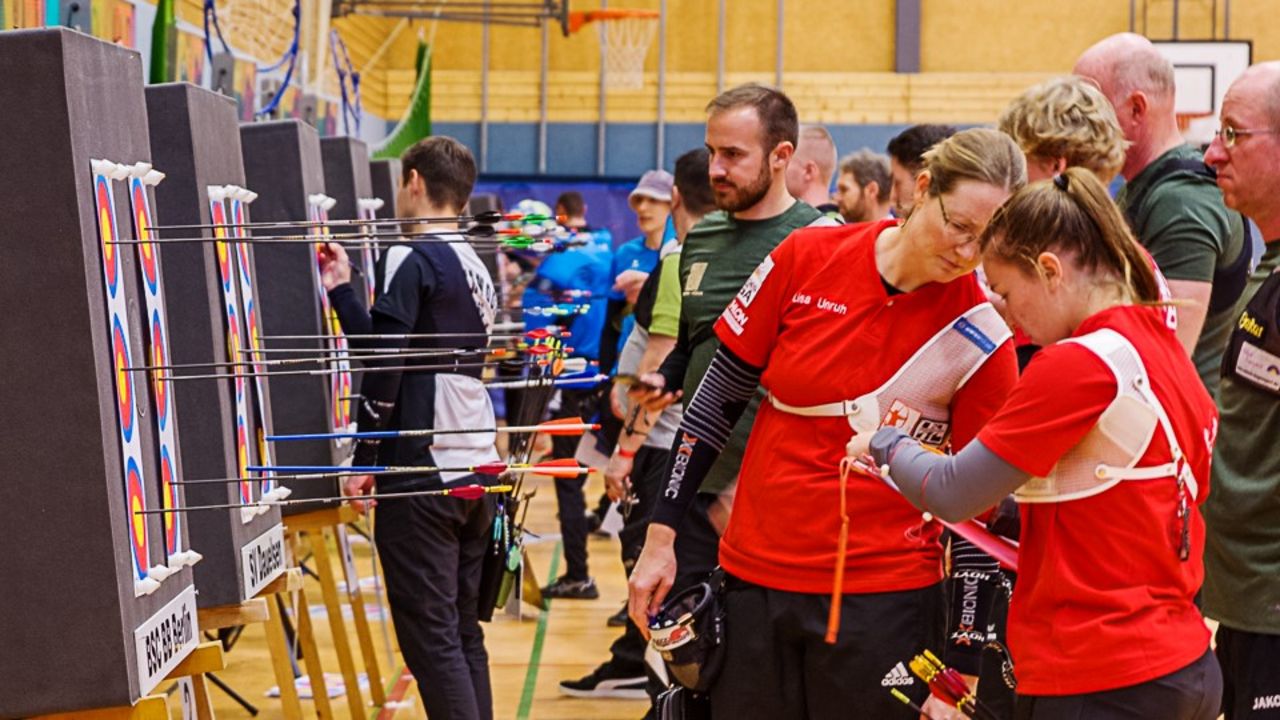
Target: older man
{"points": [[1169, 197], [1242, 554]]}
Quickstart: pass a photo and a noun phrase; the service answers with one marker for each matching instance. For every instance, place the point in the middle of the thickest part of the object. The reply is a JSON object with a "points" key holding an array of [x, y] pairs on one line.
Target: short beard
{"points": [[858, 213], [746, 197]]}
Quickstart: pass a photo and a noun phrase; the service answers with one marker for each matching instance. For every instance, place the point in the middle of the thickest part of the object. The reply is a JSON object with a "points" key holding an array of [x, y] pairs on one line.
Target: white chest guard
{"points": [[918, 396], [1111, 449]]}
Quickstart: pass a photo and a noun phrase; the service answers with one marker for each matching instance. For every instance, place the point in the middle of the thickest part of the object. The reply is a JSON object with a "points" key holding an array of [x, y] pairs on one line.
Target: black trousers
{"points": [[570, 499], [1250, 674], [627, 652], [779, 666], [697, 554], [431, 550], [1191, 693]]}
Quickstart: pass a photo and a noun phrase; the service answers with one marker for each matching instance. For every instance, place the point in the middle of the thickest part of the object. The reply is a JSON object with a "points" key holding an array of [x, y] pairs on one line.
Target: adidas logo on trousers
{"points": [[897, 676]]}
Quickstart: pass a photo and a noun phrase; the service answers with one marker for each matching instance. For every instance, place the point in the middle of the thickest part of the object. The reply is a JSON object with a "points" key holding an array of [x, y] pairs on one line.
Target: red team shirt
{"points": [[816, 316], [1102, 600]]}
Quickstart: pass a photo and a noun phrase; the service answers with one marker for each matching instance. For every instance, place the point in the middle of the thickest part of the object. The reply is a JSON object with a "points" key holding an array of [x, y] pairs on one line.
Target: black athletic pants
{"points": [[779, 666], [1250, 674], [432, 549], [627, 652], [1191, 693], [570, 499], [697, 554]]}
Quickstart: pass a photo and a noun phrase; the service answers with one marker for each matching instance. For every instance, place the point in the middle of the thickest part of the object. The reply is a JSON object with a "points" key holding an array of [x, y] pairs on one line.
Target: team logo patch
{"points": [[929, 431], [693, 284], [898, 677], [752, 286]]}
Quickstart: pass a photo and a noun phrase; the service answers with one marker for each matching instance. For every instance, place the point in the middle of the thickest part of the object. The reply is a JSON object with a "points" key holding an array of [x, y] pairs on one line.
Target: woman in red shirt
{"points": [[1106, 442], [828, 324]]}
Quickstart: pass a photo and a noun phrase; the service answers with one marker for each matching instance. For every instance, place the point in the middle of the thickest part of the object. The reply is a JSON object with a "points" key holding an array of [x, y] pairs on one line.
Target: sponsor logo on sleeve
{"points": [[735, 317], [679, 465], [752, 286]]}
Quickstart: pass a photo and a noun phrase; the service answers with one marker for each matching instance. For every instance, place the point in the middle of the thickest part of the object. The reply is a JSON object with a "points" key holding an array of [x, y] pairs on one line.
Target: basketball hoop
{"points": [[1197, 128], [625, 37]]}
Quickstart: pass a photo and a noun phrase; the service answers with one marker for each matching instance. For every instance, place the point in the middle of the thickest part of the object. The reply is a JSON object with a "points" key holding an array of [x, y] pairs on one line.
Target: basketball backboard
{"points": [[1203, 70]]}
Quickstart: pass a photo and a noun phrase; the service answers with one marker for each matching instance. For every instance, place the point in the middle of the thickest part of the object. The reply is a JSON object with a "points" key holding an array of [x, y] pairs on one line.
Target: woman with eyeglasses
{"points": [[830, 593], [1106, 443]]}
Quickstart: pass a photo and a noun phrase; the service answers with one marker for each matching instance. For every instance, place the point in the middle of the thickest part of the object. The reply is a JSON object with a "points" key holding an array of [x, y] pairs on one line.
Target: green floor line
{"points": [[535, 655]]}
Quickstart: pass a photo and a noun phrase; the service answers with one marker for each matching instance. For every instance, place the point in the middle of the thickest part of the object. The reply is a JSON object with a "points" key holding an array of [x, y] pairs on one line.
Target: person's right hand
{"points": [[335, 266], [652, 577], [356, 486], [617, 476], [652, 395]]}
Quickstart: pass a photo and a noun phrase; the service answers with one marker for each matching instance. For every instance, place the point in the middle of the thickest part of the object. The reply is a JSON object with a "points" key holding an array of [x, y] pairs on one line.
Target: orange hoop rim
{"points": [[579, 18]]}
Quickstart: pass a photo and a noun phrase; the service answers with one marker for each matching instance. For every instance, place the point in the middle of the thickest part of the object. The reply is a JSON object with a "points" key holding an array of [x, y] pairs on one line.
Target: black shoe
{"points": [[594, 520], [606, 682], [566, 589], [618, 619]]}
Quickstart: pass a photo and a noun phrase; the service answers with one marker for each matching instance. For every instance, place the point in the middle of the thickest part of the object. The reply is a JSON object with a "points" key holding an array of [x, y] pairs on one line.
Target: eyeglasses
{"points": [[1228, 135], [964, 234]]}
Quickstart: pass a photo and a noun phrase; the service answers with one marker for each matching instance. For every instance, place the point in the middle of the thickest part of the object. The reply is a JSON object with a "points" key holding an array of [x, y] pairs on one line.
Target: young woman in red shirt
{"points": [[1106, 443], [862, 325]]}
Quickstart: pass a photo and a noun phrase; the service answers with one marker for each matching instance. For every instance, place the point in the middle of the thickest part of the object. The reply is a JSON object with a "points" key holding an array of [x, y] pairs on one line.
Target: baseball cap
{"points": [[655, 184]]}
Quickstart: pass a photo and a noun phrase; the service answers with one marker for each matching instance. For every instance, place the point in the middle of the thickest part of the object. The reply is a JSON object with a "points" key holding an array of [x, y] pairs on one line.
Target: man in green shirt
{"points": [[1170, 199], [1242, 553], [751, 134]]}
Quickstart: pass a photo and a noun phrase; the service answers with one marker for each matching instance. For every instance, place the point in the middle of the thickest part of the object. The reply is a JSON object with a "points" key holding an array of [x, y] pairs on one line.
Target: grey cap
{"points": [[655, 184]]}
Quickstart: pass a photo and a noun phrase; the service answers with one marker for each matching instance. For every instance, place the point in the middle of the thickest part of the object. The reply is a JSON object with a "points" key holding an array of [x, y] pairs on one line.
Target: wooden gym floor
{"points": [[527, 658]]}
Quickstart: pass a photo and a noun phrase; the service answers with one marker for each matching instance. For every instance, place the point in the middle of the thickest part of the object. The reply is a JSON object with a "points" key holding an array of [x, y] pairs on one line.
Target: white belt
{"points": [[841, 408]]}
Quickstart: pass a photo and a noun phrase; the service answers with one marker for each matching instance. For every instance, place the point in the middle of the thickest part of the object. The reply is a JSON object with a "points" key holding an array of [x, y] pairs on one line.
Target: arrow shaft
{"points": [[332, 371], [484, 218], [487, 490], [383, 434], [329, 358]]}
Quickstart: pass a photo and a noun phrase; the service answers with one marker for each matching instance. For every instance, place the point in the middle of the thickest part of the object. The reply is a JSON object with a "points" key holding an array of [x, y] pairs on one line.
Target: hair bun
{"points": [[1061, 181]]}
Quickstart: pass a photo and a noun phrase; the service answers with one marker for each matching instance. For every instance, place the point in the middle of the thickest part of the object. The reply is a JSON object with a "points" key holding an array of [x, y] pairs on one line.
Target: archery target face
{"points": [[170, 497], [159, 359], [106, 230], [138, 524], [150, 271], [124, 379]]}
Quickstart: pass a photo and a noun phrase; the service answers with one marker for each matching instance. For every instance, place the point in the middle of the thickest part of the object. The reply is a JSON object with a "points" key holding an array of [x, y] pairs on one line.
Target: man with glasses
{"points": [[1242, 513], [1170, 199]]}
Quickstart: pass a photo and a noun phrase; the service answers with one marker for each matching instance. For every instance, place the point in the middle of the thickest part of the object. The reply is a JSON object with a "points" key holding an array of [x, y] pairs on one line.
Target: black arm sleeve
{"points": [[379, 388], [610, 335], [355, 320], [673, 369], [722, 397]]}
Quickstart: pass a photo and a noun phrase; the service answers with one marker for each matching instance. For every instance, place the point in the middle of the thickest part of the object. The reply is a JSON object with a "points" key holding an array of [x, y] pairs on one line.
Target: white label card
{"points": [[262, 560], [165, 639]]}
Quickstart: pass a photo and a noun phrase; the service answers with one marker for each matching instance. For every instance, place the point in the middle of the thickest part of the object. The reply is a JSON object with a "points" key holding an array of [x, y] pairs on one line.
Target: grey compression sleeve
{"points": [[952, 487]]}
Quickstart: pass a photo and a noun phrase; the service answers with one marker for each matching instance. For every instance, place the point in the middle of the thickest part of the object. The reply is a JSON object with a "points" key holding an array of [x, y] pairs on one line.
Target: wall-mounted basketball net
{"points": [[625, 34], [625, 37]]}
